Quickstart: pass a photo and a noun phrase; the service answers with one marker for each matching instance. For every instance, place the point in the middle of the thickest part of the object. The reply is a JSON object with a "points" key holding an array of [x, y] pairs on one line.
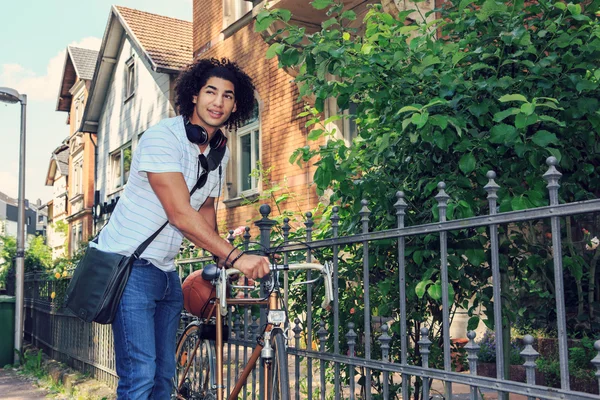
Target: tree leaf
{"points": [[274, 50], [503, 133], [544, 138], [315, 134], [475, 256], [262, 24], [527, 108], [473, 323], [435, 291], [467, 163], [512, 97], [420, 119], [321, 4], [421, 287], [500, 116], [524, 120]]}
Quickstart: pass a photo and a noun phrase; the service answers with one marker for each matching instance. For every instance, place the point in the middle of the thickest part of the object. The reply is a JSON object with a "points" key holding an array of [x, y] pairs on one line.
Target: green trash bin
{"points": [[7, 330]]}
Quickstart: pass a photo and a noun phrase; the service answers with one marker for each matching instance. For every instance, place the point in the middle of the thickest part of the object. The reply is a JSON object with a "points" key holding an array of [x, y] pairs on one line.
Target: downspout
{"points": [[94, 216]]}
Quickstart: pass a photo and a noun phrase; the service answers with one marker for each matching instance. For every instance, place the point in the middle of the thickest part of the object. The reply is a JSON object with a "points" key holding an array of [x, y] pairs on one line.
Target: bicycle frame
{"points": [[222, 307]]}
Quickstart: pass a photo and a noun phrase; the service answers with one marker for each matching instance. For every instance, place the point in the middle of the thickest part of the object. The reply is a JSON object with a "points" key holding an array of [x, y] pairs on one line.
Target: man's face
{"points": [[214, 104]]}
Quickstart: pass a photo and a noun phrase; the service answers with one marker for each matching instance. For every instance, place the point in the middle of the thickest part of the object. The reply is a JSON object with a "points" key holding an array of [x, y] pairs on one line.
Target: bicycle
{"points": [[200, 348]]}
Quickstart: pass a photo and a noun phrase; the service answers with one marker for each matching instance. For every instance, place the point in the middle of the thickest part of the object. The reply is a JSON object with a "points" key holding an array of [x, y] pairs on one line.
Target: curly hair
{"points": [[195, 76]]}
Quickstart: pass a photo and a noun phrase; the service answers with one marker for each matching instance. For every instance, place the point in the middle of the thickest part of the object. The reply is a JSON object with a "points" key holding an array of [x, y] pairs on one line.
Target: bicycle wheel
{"points": [[195, 366], [280, 378]]}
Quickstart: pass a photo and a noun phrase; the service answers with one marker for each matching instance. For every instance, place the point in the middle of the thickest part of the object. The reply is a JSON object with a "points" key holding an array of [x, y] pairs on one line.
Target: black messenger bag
{"points": [[98, 282]]}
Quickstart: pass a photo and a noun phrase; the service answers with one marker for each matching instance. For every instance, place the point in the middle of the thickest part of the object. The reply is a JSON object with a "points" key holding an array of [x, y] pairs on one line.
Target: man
{"points": [[169, 160]]}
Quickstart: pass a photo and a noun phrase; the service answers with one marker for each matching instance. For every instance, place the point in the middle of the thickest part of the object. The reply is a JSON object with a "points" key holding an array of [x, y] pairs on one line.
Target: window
{"points": [[40, 218], [76, 237], [28, 220], [350, 128], [248, 154], [120, 164], [129, 77], [234, 10], [78, 176], [78, 111]]}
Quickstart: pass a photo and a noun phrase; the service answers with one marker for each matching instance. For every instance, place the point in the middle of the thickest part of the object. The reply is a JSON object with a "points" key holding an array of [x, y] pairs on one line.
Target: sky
{"points": [[33, 37]]}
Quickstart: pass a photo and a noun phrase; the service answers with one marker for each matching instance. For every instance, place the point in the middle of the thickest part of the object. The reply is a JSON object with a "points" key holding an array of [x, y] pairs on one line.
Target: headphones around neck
{"points": [[198, 135]]}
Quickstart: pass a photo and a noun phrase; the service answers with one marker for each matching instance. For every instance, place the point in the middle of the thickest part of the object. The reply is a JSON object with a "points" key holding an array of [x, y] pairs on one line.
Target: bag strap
{"points": [[138, 252]]}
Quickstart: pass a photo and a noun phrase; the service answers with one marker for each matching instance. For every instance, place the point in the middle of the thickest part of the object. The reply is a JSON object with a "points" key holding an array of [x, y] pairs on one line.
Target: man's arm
{"points": [[174, 196], [208, 212]]}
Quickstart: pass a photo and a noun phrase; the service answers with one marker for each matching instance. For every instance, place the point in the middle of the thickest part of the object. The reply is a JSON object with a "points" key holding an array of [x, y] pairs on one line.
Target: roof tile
{"points": [[168, 41], [84, 61]]}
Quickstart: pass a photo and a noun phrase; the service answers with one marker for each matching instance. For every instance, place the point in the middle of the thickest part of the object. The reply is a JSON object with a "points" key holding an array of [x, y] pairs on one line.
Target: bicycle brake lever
{"points": [[306, 282]]}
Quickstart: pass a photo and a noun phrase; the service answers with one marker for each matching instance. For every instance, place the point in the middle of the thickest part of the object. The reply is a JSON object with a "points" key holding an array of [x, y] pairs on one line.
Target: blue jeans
{"points": [[145, 329]]}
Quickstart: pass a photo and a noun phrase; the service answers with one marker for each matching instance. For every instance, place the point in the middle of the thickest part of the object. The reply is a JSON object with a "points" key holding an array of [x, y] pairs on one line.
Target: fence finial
{"points": [[552, 176], [424, 345], [230, 237], [385, 340], [442, 197], [530, 355], [322, 334], [364, 215], [286, 229], [472, 349], [400, 206]]}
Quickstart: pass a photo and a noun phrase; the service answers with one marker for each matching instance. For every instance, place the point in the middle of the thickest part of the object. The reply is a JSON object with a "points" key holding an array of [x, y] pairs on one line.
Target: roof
{"points": [[167, 41], [59, 164], [79, 64], [84, 61], [165, 45]]}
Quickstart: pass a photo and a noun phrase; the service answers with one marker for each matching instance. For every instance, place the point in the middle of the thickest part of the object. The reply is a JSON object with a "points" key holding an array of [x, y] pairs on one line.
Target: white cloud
{"points": [[41, 87]]}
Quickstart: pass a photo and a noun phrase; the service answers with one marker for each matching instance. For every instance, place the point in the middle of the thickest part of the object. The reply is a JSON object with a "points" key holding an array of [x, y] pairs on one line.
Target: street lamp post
{"points": [[8, 95]]}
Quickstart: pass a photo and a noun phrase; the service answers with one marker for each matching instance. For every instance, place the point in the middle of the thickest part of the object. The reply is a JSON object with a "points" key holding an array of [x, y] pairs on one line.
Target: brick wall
{"points": [[281, 131]]}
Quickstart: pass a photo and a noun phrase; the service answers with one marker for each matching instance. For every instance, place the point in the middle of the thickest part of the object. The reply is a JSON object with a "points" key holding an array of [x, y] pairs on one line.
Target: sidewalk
{"points": [[17, 387]]}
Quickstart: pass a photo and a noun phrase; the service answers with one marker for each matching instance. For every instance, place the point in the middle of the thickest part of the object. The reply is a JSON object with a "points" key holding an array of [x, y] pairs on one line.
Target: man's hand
{"points": [[252, 266]]}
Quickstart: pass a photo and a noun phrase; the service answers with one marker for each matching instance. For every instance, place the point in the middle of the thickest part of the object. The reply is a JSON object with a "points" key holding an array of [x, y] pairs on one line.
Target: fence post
{"points": [[530, 355], [492, 189], [385, 340], [264, 225], [286, 282], [364, 218], [552, 176], [472, 349], [424, 345], [351, 340], [400, 213], [335, 219], [322, 334], [297, 330], [309, 325], [442, 199]]}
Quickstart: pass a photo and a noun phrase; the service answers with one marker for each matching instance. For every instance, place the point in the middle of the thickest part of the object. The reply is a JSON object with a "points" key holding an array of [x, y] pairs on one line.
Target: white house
{"points": [[140, 57]]}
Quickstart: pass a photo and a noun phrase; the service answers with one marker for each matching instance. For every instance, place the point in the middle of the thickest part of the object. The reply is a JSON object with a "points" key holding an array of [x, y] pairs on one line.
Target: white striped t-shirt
{"points": [[138, 214]]}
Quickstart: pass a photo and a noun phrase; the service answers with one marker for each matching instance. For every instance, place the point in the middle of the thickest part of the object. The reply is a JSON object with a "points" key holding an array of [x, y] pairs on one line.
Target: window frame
{"points": [[120, 152], [78, 176], [233, 10], [248, 129], [129, 89]]}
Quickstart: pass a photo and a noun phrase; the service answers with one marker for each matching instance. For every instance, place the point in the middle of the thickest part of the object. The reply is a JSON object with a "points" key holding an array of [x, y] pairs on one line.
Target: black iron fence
{"points": [[334, 358]]}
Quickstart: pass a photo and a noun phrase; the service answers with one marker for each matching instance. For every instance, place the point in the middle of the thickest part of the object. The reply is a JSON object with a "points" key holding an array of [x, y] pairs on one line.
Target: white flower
{"points": [[594, 242]]}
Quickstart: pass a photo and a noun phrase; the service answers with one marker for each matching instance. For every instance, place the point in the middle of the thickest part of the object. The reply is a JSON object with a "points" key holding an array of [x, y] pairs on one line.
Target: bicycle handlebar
{"points": [[324, 270]]}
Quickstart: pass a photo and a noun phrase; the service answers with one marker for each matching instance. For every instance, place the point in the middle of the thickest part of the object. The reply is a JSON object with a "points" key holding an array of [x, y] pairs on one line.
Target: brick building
{"points": [[78, 72]]}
